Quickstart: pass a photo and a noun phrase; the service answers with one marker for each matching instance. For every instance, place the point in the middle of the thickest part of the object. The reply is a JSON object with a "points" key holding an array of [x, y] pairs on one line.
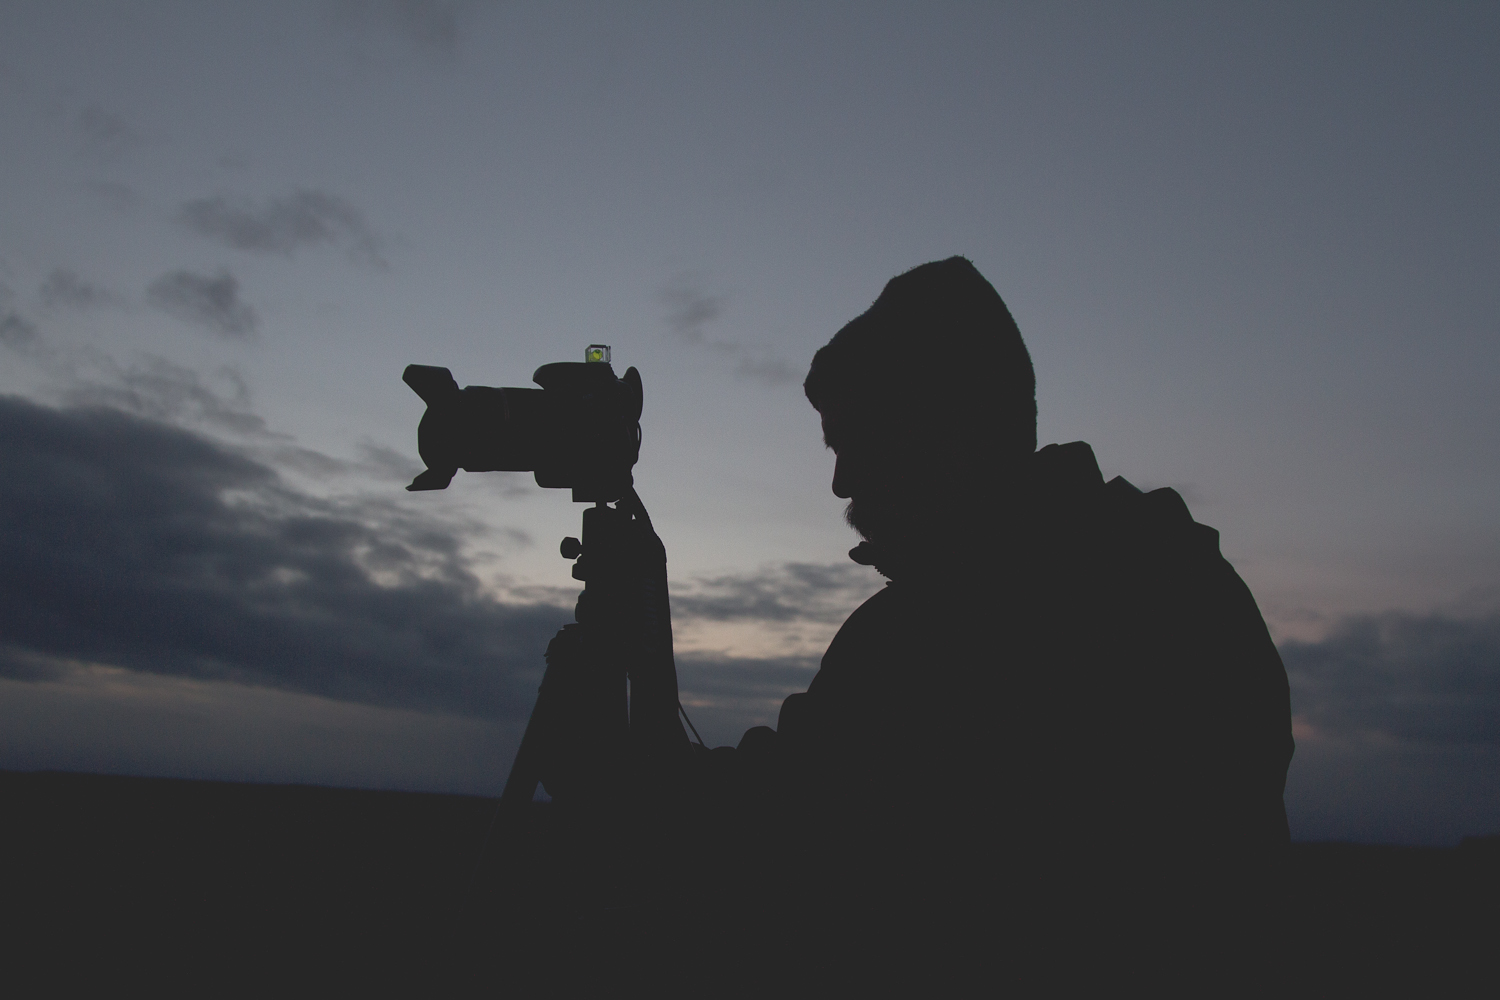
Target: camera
{"points": [[581, 430]]}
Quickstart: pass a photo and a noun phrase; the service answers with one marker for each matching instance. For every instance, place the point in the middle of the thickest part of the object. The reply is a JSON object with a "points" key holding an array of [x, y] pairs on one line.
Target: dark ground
{"points": [[156, 881]]}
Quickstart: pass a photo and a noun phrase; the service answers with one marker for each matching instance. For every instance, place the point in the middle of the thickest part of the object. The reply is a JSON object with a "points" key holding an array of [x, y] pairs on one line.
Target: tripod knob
{"points": [[571, 548]]}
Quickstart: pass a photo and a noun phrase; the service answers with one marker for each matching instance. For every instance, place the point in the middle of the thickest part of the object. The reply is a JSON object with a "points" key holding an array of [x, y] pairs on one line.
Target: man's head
{"points": [[928, 392]]}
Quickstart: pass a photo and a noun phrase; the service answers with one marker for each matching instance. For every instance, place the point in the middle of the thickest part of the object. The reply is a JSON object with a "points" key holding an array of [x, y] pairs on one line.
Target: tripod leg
{"points": [[575, 739], [526, 770], [510, 812]]}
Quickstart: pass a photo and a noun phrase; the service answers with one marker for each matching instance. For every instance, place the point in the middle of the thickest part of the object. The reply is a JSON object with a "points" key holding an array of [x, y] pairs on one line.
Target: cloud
{"points": [[284, 225], [689, 309], [211, 301], [1397, 720], [430, 25], [790, 592], [16, 331], [427, 27], [386, 462], [103, 136], [309, 462], [158, 389], [133, 545], [772, 371], [65, 288], [382, 462], [778, 618], [1401, 678]]}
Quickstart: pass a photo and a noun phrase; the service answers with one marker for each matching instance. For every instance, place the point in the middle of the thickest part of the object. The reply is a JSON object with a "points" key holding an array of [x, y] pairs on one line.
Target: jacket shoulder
{"points": [[1161, 513]]}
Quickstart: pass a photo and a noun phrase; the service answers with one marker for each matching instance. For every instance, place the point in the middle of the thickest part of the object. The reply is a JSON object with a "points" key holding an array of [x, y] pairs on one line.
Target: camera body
{"points": [[581, 430]]}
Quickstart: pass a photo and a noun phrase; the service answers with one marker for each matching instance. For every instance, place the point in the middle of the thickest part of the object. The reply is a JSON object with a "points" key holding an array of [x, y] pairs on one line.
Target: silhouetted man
{"points": [[1062, 721], [1065, 699]]}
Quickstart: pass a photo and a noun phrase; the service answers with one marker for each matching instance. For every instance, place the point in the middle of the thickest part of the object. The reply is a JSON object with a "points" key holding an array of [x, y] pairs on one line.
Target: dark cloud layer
{"points": [[134, 544], [1423, 680], [284, 225], [212, 301]]}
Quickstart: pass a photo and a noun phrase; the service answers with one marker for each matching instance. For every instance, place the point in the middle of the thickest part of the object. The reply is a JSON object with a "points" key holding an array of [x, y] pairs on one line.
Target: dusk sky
{"points": [[1254, 250]]}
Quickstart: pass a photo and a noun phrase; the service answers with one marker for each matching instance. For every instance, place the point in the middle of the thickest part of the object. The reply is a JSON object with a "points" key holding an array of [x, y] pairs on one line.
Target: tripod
{"points": [[605, 719]]}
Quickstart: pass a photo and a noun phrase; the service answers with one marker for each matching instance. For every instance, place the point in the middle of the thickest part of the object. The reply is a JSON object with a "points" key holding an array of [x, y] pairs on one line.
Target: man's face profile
{"points": [[926, 397], [868, 464]]}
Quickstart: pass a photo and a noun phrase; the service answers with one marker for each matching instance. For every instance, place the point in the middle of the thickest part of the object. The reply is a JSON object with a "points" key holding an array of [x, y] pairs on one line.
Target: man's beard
{"points": [[882, 521]]}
